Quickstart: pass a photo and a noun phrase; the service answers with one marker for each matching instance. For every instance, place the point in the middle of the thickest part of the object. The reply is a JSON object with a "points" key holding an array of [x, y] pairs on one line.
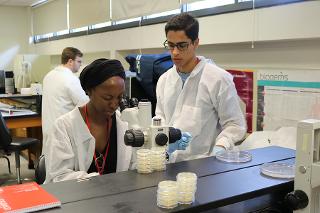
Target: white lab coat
{"points": [[207, 106], [62, 92], [283, 137], [71, 148]]}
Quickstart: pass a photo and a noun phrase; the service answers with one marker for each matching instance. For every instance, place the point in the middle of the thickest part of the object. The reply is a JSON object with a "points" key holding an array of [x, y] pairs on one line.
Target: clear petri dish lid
{"points": [[234, 156], [278, 170]]}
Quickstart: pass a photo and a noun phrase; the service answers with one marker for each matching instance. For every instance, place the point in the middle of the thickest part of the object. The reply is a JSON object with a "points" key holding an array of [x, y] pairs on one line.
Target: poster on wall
{"points": [[286, 97], [243, 80]]}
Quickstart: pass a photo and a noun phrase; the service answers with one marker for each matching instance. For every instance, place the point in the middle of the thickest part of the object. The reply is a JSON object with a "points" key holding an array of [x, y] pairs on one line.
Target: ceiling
{"points": [[20, 3]]}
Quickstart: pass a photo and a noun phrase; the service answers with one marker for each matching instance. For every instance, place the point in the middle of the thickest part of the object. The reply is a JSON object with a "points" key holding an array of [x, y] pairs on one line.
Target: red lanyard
{"points": [[100, 169]]}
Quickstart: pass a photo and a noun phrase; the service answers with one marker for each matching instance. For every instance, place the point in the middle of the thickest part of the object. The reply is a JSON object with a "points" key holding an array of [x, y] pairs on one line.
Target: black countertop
{"points": [[219, 184]]}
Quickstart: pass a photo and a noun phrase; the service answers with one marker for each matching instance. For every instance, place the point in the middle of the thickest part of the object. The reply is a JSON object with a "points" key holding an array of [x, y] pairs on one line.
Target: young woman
{"points": [[88, 140]]}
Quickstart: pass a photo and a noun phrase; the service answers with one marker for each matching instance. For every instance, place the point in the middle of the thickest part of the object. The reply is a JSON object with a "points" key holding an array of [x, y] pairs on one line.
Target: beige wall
{"points": [[286, 35], [14, 34]]}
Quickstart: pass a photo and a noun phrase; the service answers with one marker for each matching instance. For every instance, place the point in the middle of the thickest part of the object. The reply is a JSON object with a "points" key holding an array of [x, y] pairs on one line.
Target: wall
{"points": [[284, 36], [280, 37], [42, 64], [87, 59], [14, 34]]}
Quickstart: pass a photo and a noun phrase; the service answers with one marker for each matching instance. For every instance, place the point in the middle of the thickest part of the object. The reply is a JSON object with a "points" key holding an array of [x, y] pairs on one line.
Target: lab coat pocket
{"points": [[189, 120]]}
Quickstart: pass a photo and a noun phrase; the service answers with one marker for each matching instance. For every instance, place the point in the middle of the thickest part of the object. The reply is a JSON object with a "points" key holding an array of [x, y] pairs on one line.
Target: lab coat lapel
{"points": [[85, 144], [172, 89], [180, 92]]}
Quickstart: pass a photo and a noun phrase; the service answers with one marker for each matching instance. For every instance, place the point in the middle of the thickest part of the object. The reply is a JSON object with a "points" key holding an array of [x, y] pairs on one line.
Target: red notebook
{"points": [[27, 197]]}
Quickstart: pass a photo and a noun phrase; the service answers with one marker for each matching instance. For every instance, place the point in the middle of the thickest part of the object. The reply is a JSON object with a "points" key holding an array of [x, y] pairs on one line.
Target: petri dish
{"points": [[234, 156], [167, 194], [278, 170]]}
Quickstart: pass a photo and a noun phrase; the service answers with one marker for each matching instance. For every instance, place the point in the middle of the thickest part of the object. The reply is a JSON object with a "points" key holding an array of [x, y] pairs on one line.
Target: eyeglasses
{"points": [[182, 46]]}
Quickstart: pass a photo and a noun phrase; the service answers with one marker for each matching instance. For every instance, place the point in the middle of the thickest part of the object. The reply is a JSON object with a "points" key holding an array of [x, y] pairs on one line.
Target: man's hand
{"points": [[181, 144]]}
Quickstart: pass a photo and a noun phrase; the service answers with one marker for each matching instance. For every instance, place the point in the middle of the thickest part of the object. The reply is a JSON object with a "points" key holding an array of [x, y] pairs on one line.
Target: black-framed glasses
{"points": [[182, 46]]}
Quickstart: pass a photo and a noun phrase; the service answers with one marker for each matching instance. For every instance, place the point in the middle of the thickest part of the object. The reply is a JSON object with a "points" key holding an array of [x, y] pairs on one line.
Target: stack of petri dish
{"points": [[158, 159], [187, 187], [167, 194], [144, 161]]}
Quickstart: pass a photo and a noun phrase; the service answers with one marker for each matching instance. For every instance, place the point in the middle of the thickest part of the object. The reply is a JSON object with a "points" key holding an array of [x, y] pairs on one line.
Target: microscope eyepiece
{"points": [[134, 138], [134, 102], [174, 134], [124, 103]]}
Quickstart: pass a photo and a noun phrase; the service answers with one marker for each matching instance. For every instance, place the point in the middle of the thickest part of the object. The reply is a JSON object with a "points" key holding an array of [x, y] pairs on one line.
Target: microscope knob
{"points": [[174, 134], [161, 139], [297, 199], [134, 138]]}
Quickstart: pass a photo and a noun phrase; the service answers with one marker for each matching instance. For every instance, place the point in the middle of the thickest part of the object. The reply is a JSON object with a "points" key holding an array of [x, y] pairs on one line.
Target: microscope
{"points": [[305, 197], [145, 131]]}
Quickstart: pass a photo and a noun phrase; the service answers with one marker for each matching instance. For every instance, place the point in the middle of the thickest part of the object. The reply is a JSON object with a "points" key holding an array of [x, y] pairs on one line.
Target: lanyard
{"points": [[109, 123]]}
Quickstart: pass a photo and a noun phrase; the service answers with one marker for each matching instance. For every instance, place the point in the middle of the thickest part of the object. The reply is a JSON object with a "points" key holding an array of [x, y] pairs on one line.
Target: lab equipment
{"points": [[137, 114], [149, 160], [232, 156], [2, 81], [9, 82], [144, 161], [24, 75], [305, 197], [167, 194], [154, 136], [146, 131], [187, 187], [158, 159], [278, 170]]}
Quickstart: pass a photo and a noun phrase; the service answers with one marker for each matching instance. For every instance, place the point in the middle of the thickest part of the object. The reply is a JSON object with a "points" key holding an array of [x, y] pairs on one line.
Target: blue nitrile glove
{"points": [[181, 144], [217, 149]]}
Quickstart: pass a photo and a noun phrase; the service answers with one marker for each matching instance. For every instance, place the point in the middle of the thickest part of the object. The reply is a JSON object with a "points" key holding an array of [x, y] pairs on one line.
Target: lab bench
{"points": [[221, 187]]}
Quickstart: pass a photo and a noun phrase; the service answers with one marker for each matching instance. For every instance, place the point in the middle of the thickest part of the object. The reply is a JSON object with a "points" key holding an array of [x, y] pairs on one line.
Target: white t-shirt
{"points": [[62, 92]]}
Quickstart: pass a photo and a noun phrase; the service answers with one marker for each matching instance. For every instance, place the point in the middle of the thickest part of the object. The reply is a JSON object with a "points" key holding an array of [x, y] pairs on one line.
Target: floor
{"points": [[10, 179]]}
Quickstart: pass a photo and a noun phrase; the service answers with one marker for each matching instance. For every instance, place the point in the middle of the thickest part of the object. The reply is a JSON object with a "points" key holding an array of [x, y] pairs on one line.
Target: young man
{"points": [[62, 91], [196, 96]]}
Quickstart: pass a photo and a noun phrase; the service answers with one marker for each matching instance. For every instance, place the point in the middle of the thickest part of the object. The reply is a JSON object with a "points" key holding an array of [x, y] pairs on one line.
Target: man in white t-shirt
{"points": [[62, 91]]}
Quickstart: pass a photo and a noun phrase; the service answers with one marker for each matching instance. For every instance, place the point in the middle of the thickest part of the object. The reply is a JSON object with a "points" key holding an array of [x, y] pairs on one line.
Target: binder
{"points": [[27, 197]]}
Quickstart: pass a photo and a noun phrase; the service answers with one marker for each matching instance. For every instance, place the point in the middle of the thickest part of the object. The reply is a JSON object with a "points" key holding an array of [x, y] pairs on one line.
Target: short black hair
{"points": [[184, 22], [70, 53]]}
